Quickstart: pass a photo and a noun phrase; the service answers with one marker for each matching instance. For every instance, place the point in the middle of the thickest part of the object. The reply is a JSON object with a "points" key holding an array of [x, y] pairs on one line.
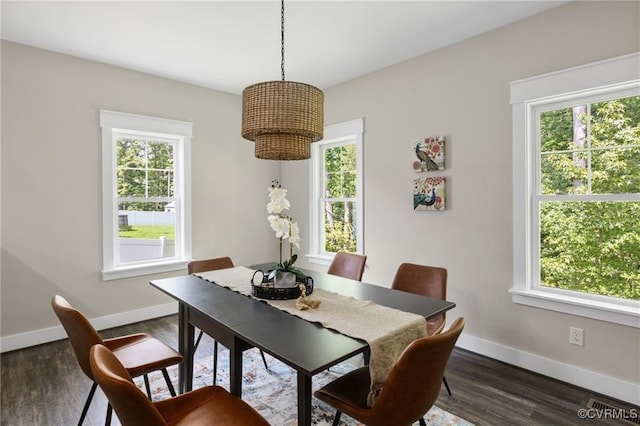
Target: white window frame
{"points": [[349, 132], [529, 97], [114, 123]]}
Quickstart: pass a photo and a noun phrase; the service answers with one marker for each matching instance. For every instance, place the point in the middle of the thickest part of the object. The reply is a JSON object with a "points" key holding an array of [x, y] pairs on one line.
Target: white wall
{"points": [[51, 166], [462, 91]]}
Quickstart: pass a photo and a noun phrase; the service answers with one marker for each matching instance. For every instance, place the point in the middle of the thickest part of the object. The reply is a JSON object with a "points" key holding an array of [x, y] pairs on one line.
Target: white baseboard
{"points": [[612, 387], [37, 337]]}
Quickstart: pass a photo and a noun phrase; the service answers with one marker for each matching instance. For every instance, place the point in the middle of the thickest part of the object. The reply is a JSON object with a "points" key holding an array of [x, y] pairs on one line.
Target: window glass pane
{"points": [[145, 168], [564, 155], [333, 185], [556, 130], [146, 231], [615, 171], [615, 125], [615, 122], [131, 182], [130, 158], [591, 247], [349, 184], [130, 153], [160, 183], [160, 169], [340, 176], [564, 173], [160, 155], [340, 226], [591, 149]]}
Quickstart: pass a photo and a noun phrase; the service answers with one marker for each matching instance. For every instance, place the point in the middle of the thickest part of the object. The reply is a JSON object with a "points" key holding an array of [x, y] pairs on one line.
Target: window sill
{"points": [[319, 259], [146, 269], [628, 314]]}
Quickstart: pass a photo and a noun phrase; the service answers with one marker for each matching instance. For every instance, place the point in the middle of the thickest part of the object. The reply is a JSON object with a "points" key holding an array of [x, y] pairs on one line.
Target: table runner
{"points": [[387, 330]]}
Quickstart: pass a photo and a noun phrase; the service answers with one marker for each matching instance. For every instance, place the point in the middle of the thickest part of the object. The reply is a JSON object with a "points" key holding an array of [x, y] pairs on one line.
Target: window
{"points": [[336, 192], [146, 189], [577, 191]]}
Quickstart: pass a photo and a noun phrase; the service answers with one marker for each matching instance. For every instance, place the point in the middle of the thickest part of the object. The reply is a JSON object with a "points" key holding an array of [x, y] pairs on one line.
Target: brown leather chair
{"points": [[196, 266], [209, 265], [348, 265], [209, 405], [408, 393], [428, 281], [139, 353]]}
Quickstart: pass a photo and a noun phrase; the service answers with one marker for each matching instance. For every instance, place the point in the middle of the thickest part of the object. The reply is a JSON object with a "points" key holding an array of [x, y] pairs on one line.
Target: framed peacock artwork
{"points": [[428, 154], [429, 193]]}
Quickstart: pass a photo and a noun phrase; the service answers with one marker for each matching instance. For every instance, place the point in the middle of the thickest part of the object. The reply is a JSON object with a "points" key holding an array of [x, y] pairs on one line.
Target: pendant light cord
{"points": [[282, 38]]}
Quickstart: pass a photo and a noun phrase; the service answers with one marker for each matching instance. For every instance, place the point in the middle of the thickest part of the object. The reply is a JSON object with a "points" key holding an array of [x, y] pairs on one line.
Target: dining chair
{"points": [[410, 390], [196, 266], [208, 405], [348, 265], [139, 353], [428, 281]]}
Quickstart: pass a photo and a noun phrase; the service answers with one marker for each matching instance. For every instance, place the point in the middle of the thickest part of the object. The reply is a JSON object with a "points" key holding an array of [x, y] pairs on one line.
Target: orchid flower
{"points": [[283, 225], [279, 201]]}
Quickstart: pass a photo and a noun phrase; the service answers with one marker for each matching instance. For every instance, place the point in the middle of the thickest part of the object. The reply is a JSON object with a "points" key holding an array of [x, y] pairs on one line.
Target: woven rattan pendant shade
{"points": [[283, 118]]}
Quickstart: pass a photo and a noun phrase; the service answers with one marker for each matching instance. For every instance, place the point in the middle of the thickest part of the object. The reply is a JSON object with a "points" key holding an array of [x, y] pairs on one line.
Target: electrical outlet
{"points": [[576, 336]]}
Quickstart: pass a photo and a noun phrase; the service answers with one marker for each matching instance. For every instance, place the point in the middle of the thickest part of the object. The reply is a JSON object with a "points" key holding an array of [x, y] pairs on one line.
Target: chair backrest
{"points": [[81, 333], [428, 281], [414, 383], [131, 405], [196, 266], [348, 265]]}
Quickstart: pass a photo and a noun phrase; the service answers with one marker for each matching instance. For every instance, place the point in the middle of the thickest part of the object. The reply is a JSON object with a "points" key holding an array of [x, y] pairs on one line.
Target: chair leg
{"points": [[336, 418], [167, 379], [215, 361], [422, 422], [85, 409], [198, 341], [264, 360], [107, 421], [444, 379], [146, 385]]}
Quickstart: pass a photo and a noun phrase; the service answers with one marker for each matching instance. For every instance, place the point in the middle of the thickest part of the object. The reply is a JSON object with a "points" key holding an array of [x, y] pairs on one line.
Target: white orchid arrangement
{"points": [[284, 227]]}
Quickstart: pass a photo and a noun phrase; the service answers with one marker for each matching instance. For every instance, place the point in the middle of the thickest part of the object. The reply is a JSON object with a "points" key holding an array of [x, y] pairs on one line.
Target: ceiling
{"points": [[230, 45]]}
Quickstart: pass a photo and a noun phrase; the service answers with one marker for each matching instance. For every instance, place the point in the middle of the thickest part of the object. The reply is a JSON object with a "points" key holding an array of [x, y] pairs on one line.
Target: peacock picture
{"points": [[429, 193], [427, 200], [428, 154]]}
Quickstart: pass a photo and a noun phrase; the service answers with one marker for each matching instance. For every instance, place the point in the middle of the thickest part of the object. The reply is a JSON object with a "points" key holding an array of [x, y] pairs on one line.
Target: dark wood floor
{"points": [[44, 385]]}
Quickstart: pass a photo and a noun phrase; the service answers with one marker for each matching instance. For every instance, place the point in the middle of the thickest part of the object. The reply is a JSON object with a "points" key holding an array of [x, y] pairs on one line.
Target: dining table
{"points": [[240, 322]]}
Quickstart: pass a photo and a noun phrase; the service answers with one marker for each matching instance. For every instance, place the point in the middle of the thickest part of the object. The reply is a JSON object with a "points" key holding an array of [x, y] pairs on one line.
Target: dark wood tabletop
{"points": [[240, 322]]}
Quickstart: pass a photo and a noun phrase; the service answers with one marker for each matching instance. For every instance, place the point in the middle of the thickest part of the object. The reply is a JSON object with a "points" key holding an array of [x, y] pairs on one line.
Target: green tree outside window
{"points": [[591, 246], [340, 191]]}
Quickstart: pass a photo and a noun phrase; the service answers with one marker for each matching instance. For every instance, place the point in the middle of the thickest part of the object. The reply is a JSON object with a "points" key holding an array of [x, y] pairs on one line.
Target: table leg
{"points": [[366, 356], [188, 378], [235, 367], [304, 399], [185, 347]]}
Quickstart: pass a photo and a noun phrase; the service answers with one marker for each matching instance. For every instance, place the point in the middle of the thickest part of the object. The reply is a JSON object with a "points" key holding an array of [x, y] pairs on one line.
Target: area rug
{"points": [[273, 392]]}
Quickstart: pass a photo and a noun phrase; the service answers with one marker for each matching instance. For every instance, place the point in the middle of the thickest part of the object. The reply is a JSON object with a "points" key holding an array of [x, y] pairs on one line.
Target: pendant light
{"points": [[282, 117]]}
